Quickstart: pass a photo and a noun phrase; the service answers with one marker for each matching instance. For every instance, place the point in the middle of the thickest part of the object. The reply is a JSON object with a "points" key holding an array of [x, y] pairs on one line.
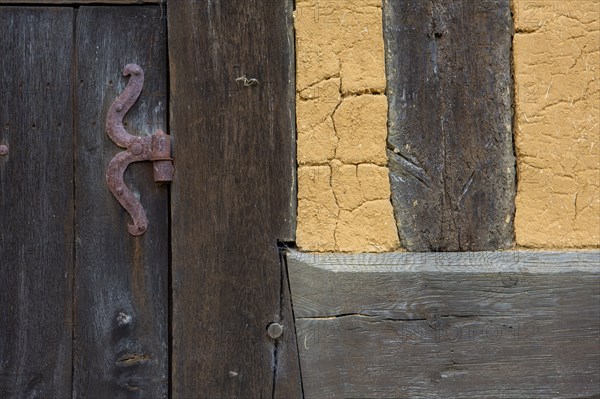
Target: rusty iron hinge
{"points": [[155, 148]]}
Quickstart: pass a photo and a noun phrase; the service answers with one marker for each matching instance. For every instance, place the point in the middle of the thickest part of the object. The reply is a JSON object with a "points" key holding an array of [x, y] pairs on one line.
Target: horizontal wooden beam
{"points": [[463, 325]]}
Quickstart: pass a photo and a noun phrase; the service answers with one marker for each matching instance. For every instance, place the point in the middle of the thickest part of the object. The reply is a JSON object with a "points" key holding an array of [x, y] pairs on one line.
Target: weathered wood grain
{"points": [[460, 325], [450, 144], [36, 202], [121, 281], [233, 196], [75, 2], [287, 380]]}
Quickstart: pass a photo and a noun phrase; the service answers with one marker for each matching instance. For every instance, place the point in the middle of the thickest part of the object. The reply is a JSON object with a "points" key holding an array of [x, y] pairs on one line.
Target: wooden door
{"points": [[84, 303], [88, 310], [36, 193]]}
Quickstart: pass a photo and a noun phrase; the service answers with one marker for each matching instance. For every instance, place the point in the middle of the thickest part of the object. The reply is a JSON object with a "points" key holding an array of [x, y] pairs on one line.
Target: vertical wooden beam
{"points": [[121, 281], [232, 118], [36, 200], [450, 145]]}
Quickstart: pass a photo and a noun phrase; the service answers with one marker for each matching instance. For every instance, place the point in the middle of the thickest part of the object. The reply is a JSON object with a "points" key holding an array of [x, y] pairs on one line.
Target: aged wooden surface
{"points": [[233, 196], [121, 281], [36, 202], [460, 325], [112, 2], [288, 376], [450, 147]]}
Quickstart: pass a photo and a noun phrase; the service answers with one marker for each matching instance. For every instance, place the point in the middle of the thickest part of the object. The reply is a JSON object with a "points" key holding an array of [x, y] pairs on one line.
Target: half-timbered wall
{"points": [[450, 150]]}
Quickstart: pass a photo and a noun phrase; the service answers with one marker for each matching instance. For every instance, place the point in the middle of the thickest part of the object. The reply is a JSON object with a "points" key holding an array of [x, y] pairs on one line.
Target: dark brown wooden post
{"points": [[36, 201], [232, 119], [121, 281], [450, 145]]}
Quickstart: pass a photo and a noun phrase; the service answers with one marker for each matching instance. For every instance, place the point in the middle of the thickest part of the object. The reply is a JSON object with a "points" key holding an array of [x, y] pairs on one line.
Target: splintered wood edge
{"points": [[532, 262]]}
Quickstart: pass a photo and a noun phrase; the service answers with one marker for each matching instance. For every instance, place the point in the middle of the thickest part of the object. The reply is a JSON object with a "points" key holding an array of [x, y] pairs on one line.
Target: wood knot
{"points": [[130, 359]]}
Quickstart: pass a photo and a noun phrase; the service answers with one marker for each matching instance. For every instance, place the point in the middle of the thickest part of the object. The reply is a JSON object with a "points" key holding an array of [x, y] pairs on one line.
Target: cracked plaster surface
{"points": [[557, 79], [343, 185], [341, 107]]}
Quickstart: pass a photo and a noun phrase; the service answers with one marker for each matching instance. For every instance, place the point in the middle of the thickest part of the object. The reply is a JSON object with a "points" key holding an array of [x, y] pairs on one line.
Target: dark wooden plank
{"points": [[288, 382], [113, 2], [474, 325], [121, 281], [450, 145], [233, 196], [36, 202]]}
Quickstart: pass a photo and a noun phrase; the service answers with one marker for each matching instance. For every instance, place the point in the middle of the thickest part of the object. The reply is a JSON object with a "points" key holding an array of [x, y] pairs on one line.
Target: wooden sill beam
{"points": [[437, 325]]}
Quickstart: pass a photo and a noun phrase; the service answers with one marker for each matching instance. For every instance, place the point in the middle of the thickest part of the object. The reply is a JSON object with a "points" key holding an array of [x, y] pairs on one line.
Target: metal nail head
{"points": [[275, 330]]}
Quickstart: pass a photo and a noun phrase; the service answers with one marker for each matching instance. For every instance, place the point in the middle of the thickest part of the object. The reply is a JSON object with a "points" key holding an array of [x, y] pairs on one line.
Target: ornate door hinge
{"points": [[155, 148]]}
